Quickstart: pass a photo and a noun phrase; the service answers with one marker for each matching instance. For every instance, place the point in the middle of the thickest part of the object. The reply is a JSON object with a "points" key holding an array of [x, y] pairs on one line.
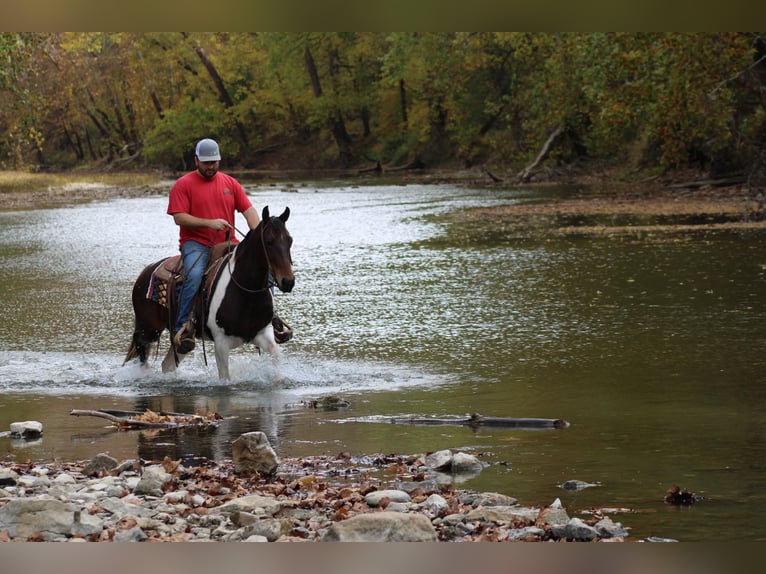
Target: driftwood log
{"points": [[526, 174], [722, 182], [476, 421], [129, 420]]}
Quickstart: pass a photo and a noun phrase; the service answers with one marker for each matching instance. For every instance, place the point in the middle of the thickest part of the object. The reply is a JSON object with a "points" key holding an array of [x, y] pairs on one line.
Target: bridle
{"points": [[269, 281]]}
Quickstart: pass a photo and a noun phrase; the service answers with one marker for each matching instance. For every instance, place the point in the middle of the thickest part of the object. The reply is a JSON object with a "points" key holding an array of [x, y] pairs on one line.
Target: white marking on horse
{"points": [[224, 343]]}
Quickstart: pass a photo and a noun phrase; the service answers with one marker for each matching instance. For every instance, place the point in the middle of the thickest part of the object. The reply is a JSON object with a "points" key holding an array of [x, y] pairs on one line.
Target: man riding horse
{"points": [[203, 204]]}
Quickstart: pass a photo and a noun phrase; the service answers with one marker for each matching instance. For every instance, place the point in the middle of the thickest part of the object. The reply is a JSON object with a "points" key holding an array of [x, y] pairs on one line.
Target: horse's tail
{"points": [[132, 351]]}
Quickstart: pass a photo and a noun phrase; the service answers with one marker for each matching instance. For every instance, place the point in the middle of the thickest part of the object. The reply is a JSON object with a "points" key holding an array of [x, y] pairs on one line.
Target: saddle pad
{"points": [[158, 282]]}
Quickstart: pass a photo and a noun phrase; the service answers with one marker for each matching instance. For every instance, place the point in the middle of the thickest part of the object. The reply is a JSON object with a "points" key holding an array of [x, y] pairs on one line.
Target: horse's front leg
{"points": [[266, 342], [222, 350]]}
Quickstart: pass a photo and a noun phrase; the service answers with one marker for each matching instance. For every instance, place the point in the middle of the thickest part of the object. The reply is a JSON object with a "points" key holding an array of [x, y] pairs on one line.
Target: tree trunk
{"points": [[223, 94], [337, 125], [403, 102]]}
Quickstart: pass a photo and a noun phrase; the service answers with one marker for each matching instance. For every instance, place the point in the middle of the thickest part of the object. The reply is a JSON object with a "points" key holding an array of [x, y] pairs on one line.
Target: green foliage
{"points": [[172, 139]]}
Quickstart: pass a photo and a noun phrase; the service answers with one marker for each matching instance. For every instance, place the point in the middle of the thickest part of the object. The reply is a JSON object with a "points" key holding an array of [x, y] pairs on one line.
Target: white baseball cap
{"points": [[207, 150]]}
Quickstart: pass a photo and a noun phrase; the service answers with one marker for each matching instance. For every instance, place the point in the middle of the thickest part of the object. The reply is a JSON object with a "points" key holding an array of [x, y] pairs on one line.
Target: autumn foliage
{"points": [[339, 99]]}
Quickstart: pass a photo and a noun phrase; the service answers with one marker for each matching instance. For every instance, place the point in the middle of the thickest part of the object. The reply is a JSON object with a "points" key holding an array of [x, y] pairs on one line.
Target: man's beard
{"points": [[207, 173]]}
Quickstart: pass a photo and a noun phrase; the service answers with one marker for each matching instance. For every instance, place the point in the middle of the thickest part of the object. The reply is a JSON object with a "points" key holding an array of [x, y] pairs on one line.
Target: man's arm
{"points": [[188, 220], [252, 217]]}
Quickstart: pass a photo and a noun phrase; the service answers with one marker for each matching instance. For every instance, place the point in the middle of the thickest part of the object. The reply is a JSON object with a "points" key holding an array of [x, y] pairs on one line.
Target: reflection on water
{"points": [[650, 349]]}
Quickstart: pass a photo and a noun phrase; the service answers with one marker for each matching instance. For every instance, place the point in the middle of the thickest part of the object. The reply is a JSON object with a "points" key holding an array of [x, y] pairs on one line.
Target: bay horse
{"points": [[237, 305]]}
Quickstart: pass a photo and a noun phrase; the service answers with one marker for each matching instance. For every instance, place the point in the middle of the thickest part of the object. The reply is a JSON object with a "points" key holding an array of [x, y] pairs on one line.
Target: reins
{"points": [[269, 284]]}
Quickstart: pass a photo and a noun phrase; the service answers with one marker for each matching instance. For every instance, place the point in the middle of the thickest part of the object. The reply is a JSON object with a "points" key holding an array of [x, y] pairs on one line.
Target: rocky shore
{"points": [[314, 499]]}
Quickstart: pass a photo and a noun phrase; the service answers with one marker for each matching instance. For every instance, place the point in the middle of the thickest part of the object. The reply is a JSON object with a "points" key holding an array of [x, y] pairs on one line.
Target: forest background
{"points": [[645, 103]]}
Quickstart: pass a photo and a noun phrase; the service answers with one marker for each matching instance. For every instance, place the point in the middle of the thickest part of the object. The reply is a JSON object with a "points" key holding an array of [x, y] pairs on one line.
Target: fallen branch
{"points": [[476, 420], [493, 177], [525, 174], [127, 420], [723, 182], [414, 164], [376, 169]]}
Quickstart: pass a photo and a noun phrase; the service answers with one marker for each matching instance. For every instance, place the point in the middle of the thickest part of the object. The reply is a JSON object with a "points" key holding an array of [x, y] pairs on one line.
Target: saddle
{"points": [[168, 276], [171, 269]]}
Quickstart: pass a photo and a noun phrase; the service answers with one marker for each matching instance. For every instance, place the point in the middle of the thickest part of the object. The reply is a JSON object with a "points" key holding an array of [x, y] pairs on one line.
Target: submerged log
{"points": [[476, 421], [127, 420]]}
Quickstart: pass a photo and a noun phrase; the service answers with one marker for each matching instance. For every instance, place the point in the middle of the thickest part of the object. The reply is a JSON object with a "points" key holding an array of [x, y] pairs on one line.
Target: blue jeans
{"points": [[195, 256]]}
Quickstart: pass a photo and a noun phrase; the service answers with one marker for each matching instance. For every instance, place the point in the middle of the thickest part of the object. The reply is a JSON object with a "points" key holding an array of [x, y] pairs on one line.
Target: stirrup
{"points": [[282, 331], [183, 341]]}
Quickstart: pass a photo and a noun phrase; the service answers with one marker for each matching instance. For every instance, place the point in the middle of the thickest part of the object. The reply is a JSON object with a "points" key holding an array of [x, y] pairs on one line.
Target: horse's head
{"points": [[276, 244]]}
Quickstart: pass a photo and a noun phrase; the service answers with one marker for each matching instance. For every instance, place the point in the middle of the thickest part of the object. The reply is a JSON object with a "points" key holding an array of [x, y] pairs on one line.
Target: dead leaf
{"points": [[169, 465]]}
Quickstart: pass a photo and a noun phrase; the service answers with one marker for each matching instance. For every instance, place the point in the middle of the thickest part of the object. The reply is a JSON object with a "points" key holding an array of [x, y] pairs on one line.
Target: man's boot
{"points": [[183, 340]]}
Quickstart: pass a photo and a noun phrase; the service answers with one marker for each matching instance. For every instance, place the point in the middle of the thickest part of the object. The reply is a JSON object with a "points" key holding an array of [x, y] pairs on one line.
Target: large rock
{"points": [[26, 429], [100, 465], [253, 504], [251, 452], [382, 527], [503, 514], [153, 481], [375, 497], [51, 519]]}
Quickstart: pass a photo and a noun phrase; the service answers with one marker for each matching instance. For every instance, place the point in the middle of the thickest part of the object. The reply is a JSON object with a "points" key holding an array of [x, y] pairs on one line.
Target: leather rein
{"points": [[230, 256]]}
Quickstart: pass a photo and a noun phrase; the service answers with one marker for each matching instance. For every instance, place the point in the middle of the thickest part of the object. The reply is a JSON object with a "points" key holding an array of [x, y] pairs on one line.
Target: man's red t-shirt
{"points": [[216, 198]]}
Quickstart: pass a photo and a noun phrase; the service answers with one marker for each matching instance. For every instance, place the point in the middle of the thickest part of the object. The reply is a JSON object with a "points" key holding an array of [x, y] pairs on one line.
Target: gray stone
{"points": [[375, 497], [503, 514], [64, 478], [253, 504], [8, 477], [575, 529], [119, 508], [476, 499], [269, 528], [382, 527], [606, 528], [553, 514], [526, 533], [440, 460], [153, 480], [434, 503], [577, 485], [52, 519], [428, 485], [100, 465], [251, 452], [462, 462], [131, 535]]}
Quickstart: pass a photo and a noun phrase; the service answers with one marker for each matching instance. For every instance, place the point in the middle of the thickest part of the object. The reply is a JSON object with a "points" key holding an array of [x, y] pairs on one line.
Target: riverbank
{"points": [[590, 203], [376, 498]]}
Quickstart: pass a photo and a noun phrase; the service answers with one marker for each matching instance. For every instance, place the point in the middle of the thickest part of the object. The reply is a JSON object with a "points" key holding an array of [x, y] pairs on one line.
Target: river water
{"points": [[651, 348]]}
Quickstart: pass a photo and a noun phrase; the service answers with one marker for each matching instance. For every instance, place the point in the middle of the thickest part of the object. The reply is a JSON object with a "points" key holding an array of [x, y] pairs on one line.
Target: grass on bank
{"points": [[21, 182]]}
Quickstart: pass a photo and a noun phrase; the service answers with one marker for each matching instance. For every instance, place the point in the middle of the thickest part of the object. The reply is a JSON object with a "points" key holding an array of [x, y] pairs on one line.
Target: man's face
{"points": [[207, 169]]}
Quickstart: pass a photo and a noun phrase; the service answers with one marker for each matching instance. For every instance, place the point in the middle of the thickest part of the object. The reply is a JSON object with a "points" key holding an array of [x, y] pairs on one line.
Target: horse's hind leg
{"points": [[151, 320]]}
